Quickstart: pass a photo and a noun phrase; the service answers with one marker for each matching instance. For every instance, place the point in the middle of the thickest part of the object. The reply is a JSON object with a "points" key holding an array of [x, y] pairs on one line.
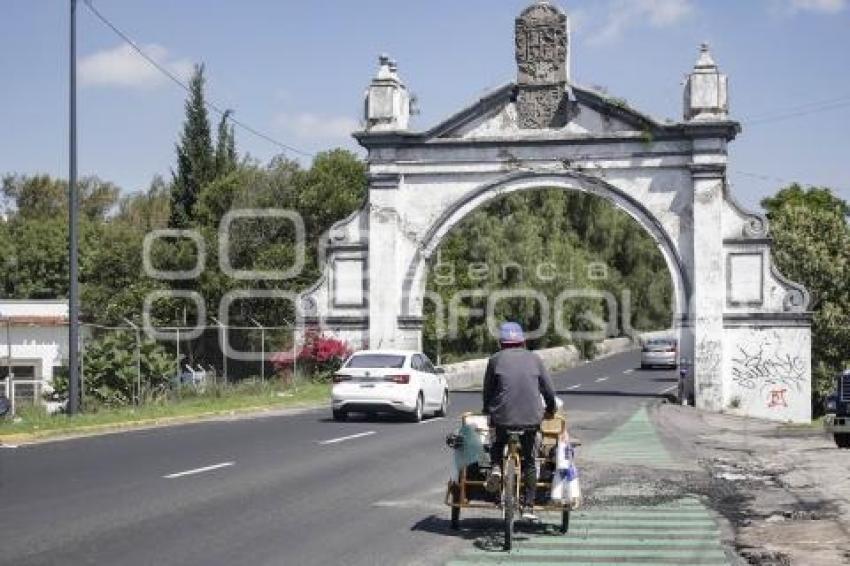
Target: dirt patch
{"points": [[785, 491]]}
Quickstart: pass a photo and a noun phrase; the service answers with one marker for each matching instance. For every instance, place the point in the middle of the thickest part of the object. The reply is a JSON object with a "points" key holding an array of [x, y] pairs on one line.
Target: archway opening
{"points": [[569, 265]]}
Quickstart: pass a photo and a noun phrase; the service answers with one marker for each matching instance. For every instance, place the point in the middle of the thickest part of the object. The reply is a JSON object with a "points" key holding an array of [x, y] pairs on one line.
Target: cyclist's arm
{"points": [[489, 385], [546, 388]]}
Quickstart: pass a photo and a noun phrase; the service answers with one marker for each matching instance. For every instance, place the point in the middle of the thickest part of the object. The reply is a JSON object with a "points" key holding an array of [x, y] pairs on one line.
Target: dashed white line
{"points": [[629, 371], [10, 446], [671, 388], [570, 388], [199, 470], [434, 420], [344, 438], [601, 379]]}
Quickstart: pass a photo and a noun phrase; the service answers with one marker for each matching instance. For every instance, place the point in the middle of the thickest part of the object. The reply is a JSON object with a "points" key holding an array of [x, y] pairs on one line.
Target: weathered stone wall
{"points": [[469, 375]]}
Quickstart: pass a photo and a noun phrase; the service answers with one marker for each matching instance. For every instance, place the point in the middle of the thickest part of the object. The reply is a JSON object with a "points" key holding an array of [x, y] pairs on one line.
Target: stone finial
{"points": [[387, 100], [706, 90]]}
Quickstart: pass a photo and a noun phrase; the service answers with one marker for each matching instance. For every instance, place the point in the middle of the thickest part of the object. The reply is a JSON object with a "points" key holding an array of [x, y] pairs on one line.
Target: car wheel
{"points": [[339, 415], [444, 406], [416, 415]]}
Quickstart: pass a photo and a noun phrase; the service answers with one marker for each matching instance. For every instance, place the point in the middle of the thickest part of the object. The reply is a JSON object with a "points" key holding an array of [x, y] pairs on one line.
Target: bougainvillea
{"points": [[319, 356]]}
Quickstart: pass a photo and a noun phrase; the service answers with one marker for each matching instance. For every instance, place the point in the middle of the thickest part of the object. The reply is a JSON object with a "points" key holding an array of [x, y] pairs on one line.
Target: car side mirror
{"points": [[439, 370]]}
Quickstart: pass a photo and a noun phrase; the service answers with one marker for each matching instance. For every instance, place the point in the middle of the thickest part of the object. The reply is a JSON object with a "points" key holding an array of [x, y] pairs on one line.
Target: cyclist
{"points": [[513, 383]]}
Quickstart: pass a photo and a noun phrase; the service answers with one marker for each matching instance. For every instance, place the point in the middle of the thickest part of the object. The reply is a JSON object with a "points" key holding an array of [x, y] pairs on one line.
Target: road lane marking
{"points": [[199, 470], [601, 379], [671, 388], [629, 371], [573, 387], [432, 420], [344, 438]]}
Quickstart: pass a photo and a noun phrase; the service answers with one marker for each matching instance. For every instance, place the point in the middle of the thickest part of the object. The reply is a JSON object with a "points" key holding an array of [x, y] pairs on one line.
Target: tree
{"points": [[148, 210], [226, 158], [333, 187], [43, 197], [195, 155], [812, 246], [546, 241]]}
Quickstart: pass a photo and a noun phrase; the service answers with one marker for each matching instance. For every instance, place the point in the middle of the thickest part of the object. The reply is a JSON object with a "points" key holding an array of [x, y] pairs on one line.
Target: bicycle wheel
{"points": [[510, 486], [455, 499]]}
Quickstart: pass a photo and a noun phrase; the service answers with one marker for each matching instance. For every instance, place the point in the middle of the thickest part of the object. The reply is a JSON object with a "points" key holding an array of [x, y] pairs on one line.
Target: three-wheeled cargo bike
{"points": [[467, 488]]}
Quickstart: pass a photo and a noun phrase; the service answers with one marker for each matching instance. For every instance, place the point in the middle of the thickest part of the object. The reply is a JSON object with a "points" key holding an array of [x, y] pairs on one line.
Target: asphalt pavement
{"points": [[297, 489]]}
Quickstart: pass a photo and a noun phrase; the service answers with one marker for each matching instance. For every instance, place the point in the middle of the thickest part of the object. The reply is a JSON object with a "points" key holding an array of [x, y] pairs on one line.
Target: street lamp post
{"points": [[73, 205]]}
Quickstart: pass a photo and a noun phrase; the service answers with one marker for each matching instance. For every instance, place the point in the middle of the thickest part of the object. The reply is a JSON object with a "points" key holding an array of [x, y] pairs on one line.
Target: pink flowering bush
{"points": [[320, 356]]}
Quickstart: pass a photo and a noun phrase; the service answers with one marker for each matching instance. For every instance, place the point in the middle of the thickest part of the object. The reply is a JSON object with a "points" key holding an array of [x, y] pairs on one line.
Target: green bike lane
{"points": [[618, 530]]}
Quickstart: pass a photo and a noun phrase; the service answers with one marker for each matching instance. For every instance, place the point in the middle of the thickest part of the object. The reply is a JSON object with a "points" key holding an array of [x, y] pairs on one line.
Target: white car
{"points": [[383, 381]]}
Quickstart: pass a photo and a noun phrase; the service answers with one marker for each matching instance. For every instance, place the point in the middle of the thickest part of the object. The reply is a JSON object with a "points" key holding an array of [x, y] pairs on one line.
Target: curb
{"points": [[245, 413]]}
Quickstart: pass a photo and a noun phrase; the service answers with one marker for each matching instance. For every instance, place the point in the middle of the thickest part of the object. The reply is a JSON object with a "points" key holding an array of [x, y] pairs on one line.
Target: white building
{"points": [[33, 344]]}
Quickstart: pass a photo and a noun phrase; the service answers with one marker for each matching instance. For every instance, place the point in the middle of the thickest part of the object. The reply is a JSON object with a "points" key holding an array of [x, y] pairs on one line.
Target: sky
{"points": [[297, 71]]}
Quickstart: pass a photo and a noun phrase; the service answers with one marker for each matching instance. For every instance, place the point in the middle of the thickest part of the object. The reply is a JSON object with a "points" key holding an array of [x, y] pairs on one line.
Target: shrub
{"points": [[320, 356], [111, 371]]}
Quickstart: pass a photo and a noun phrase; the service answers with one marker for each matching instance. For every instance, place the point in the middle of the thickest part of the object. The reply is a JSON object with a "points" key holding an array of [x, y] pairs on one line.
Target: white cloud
{"points": [[306, 125], [625, 14], [820, 6], [121, 66]]}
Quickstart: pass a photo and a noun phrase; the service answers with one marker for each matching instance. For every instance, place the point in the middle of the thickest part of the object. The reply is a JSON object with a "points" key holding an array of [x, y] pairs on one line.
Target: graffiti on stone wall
{"points": [[769, 374], [777, 399], [708, 356]]}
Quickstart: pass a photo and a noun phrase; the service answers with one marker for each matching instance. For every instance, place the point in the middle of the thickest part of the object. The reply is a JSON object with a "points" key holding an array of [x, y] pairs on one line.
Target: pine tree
{"points": [[225, 153], [195, 156]]}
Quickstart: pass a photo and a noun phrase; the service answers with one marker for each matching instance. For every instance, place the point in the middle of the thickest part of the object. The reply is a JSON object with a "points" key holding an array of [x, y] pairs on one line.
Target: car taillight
{"points": [[341, 378], [400, 379]]}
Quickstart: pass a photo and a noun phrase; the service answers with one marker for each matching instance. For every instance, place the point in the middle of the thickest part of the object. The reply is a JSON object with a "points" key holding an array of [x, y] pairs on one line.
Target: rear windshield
{"points": [[376, 361]]}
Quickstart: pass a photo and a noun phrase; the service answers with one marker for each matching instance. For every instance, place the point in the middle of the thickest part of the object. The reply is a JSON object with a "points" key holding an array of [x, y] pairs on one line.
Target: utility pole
{"points": [[262, 348], [73, 197]]}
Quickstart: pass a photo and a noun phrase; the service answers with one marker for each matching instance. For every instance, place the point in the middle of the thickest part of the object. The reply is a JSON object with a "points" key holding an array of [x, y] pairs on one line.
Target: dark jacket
{"points": [[513, 383]]}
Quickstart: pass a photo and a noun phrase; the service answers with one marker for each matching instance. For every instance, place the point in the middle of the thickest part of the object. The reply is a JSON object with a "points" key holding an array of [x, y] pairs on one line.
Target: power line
{"points": [[176, 80], [799, 111], [778, 115], [780, 180]]}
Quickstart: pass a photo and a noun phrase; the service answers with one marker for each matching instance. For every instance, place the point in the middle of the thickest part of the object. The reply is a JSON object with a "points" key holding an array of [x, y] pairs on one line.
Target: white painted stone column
{"points": [[709, 290], [384, 289]]}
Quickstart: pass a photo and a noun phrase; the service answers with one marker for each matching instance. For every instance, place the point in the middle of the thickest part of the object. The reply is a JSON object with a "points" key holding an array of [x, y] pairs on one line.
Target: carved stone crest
{"points": [[541, 45], [542, 107]]}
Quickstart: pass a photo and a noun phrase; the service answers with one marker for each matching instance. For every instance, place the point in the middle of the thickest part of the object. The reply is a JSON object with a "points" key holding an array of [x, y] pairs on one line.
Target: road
{"points": [[295, 489]]}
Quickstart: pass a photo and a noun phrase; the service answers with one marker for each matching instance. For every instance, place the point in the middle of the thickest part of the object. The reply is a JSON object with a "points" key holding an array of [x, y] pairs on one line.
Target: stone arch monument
{"points": [[746, 327]]}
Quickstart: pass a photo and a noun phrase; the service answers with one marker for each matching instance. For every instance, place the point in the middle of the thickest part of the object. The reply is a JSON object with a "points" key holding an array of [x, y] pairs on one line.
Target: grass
{"points": [[33, 422]]}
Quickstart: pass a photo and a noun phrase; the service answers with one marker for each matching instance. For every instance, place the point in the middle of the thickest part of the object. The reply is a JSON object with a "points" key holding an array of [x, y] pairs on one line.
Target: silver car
{"points": [[659, 352]]}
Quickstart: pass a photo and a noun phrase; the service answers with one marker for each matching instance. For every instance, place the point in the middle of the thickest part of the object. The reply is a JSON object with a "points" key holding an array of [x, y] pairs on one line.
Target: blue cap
{"points": [[511, 333]]}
